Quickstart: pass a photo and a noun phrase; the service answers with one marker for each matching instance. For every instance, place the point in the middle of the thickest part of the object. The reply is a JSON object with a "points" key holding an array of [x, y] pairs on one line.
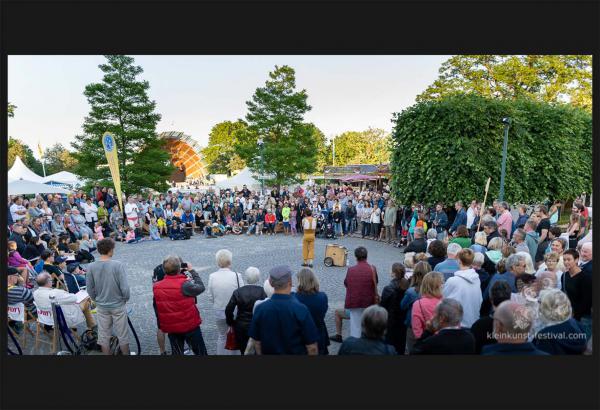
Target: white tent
{"points": [[243, 178], [23, 187], [20, 171], [64, 177]]}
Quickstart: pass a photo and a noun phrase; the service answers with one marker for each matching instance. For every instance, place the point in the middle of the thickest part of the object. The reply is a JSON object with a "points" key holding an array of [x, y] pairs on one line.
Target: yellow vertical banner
{"points": [[110, 149]]}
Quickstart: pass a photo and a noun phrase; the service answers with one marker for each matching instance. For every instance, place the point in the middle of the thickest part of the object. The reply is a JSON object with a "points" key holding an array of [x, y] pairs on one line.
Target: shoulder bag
{"points": [[231, 341]]}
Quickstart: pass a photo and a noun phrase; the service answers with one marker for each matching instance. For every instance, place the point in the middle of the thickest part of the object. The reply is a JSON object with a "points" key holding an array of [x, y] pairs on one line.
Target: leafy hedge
{"points": [[445, 150]]}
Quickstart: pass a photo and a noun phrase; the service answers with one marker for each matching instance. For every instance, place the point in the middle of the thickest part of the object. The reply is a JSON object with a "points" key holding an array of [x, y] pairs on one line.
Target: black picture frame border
{"points": [[291, 27]]}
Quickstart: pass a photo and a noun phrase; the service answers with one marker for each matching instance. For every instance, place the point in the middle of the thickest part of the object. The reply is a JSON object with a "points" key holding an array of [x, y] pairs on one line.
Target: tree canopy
{"points": [[11, 110], [276, 116], [445, 150], [220, 153], [57, 158], [18, 148], [362, 147], [120, 105], [546, 78]]}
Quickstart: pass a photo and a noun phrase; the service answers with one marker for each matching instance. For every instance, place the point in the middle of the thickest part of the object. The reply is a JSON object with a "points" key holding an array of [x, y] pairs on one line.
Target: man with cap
{"points": [[283, 325]]}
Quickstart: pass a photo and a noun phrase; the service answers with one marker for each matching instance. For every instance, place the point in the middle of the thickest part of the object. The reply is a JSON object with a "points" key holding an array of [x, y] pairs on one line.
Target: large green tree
{"points": [[57, 158], [547, 78], [220, 153], [276, 115], [362, 147], [445, 150], [17, 148], [120, 105]]}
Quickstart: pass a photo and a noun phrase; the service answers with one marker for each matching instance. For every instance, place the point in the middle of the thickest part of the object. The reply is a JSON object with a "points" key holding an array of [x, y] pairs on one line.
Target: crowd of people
{"points": [[472, 281]]}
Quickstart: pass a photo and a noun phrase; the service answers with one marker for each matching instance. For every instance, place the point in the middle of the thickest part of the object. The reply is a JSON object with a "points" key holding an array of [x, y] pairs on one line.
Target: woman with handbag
{"points": [[221, 285], [243, 299]]}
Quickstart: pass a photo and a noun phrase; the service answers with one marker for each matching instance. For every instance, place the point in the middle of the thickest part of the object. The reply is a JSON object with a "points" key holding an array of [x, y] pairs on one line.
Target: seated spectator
{"points": [[88, 244], [74, 313], [188, 222], [562, 334], [17, 293], [450, 265], [177, 232], [483, 328], [512, 323], [270, 221], [244, 299], [373, 326], [33, 250], [443, 334], [493, 255], [74, 277]]}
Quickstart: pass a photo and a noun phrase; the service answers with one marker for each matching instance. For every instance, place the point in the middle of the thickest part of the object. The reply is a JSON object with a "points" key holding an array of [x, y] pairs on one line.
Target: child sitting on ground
{"points": [[154, 234], [130, 236], [87, 244], [120, 234]]}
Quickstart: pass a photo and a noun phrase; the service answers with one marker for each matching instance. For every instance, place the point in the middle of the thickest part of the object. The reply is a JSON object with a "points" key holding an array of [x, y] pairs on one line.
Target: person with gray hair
{"points": [[244, 299], [175, 306], [491, 230], [221, 285], [561, 334], [373, 326], [450, 265], [444, 334], [419, 244], [282, 325], [519, 242], [512, 324]]}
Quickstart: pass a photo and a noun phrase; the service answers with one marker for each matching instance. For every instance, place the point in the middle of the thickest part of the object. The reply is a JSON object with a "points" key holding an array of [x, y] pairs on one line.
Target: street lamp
{"points": [[506, 121], [260, 143]]}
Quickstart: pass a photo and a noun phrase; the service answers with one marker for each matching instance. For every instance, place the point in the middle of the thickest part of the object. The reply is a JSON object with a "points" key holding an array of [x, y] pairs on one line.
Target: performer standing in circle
{"points": [[131, 213], [308, 241]]}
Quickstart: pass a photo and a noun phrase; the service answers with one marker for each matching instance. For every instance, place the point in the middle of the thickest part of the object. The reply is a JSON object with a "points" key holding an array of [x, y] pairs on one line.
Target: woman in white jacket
{"points": [[221, 285], [465, 287]]}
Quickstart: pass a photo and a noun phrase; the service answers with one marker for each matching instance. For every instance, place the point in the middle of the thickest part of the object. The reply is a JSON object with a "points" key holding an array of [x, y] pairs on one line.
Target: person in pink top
{"points": [[505, 219], [423, 309], [98, 230]]}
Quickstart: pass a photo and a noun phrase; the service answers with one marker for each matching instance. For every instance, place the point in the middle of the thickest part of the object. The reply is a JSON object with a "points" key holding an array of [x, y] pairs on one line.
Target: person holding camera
{"points": [[175, 304]]}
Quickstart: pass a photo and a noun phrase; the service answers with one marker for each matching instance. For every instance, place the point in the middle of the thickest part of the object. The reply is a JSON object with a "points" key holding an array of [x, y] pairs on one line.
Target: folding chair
{"points": [[60, 284], [45, 317], [18, 313]]}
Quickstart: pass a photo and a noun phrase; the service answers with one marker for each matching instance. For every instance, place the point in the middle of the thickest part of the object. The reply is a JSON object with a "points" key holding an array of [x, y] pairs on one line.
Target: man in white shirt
{"points": [[74, 312], [471, 214], [221, 285], [17, 210], [131, 213]]}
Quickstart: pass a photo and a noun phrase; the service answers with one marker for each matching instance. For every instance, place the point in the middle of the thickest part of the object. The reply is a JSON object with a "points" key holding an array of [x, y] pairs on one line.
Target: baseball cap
{"points": [[59, 260], [280, 272]]}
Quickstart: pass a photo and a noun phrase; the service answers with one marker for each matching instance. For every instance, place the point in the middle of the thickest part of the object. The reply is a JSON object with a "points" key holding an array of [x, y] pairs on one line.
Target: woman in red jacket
{"points": [[270, 221], [175, 298]]}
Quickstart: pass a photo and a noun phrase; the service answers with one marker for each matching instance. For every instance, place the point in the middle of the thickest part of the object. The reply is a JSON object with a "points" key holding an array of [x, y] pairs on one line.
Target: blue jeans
{"points": [[337, 228], [350, 225]]}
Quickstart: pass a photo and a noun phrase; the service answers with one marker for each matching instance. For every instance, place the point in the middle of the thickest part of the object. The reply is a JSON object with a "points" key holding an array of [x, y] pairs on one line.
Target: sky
{"points": [[193, 93]]}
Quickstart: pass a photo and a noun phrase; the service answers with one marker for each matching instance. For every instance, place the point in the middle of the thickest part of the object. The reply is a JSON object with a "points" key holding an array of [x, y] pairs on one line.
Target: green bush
{"points": [[445, 150]]}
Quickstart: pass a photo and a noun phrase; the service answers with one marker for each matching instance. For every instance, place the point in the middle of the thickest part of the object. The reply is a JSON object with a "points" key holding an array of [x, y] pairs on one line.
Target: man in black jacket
{"points": [[444, 334], [483, 329], [17, 236], [350, 217], [419, 244]]}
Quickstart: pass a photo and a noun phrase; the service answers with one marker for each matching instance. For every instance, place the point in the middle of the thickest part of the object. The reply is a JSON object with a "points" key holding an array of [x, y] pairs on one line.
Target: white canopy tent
{"points": [[244, 177], [23, 187], [64, 177], [20, 171]]}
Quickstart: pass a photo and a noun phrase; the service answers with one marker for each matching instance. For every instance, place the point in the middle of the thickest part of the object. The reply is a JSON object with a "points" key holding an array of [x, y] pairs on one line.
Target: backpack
{"points": [[89, 340], [83, 255]]}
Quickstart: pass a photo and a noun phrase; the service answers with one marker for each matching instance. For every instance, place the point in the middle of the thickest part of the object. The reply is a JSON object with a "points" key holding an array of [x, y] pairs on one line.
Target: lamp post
{"points": [[260, 143], [506, 121]]}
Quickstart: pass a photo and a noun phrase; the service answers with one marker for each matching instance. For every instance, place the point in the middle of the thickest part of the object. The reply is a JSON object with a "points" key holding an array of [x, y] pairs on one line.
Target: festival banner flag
{"points": [[110, 149]]}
